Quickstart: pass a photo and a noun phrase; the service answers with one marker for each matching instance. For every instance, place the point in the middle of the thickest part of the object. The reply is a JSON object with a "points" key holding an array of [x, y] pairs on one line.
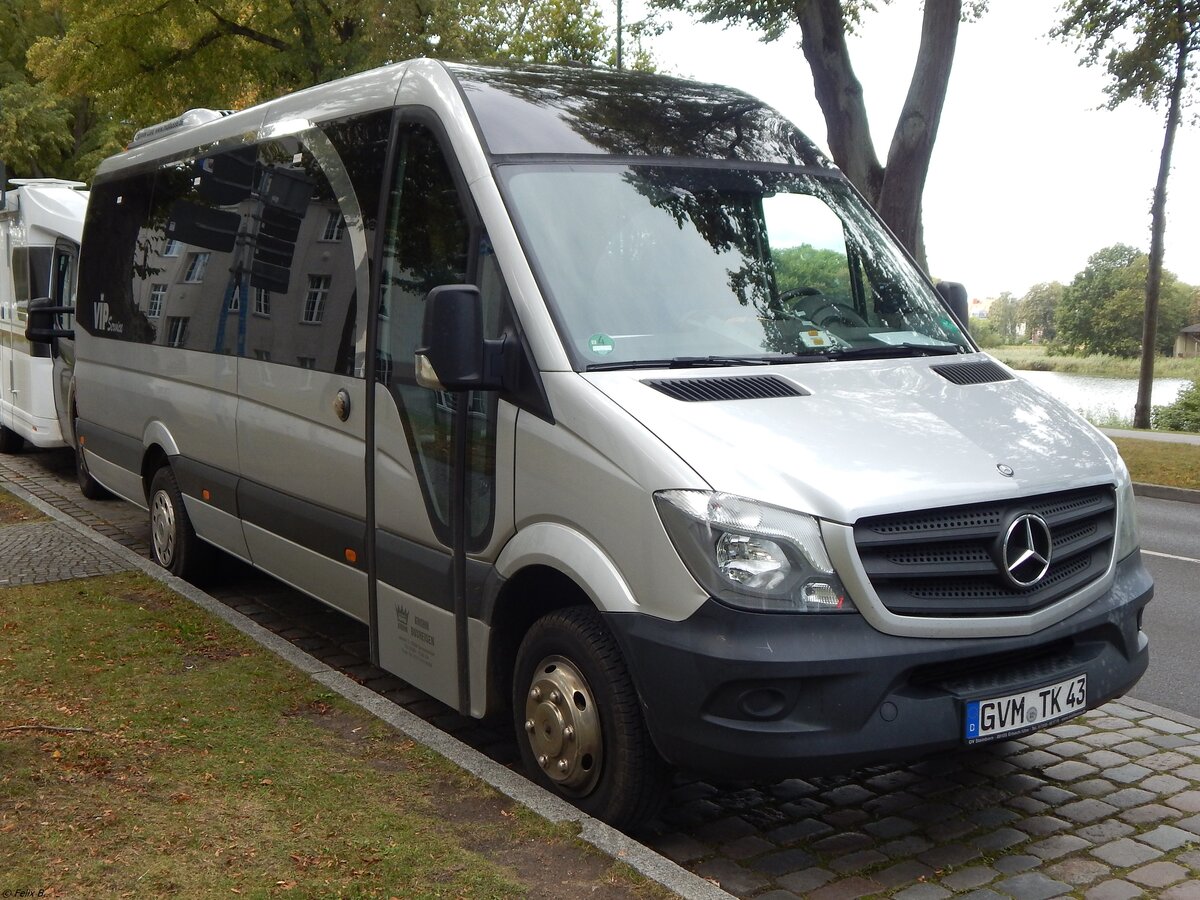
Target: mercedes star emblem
{"points": [[1026, 550]]}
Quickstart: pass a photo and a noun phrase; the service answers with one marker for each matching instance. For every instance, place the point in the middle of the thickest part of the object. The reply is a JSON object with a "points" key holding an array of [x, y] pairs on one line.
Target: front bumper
{"points": [[743, 695]]}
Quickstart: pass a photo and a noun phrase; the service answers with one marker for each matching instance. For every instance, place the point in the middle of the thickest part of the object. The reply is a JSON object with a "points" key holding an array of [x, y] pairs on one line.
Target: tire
{"points": [[579, 723], [10, 441], [172, 538], [88, 486]]}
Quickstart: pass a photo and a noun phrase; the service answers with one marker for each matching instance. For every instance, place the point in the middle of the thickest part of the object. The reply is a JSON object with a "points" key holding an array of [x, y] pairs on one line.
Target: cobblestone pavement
{"points": [[1106, 807]]}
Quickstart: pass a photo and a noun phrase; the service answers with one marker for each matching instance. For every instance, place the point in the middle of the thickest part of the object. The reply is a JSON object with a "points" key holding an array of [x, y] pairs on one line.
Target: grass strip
{"points": [[1036, 358], [1161, 462], [17, 512], [146, 749]]}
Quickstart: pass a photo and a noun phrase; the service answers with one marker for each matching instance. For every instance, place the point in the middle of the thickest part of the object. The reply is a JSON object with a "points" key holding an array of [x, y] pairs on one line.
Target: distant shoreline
{"points": [[1035, 358]]}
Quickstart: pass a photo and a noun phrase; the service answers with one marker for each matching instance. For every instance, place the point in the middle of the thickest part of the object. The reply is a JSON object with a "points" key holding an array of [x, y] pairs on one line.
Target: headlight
{"points": [[751, 555], [1127, 530]]}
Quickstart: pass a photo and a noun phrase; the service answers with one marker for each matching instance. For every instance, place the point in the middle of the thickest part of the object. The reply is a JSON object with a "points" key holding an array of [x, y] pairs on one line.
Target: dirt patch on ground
{"points": [[549, 870]]}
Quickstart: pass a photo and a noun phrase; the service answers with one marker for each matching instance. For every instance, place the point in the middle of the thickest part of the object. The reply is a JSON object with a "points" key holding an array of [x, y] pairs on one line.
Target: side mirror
{"points": [[955, 297], [41, 326], [454, 355]]}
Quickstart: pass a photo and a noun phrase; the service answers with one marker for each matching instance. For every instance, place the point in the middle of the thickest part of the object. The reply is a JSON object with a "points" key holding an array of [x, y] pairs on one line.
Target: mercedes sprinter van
{"points": [[606, 402]]}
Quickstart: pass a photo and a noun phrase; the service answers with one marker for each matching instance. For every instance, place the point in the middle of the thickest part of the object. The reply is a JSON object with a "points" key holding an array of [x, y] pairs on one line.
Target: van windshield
{"points": [[677, 265]]}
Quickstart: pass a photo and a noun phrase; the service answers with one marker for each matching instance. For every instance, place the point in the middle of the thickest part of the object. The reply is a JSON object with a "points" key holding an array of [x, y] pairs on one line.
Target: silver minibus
{"points": [[609, 406]]}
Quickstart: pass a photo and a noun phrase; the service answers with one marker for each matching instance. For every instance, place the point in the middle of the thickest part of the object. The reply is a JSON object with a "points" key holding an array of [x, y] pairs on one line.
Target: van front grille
{"points": [[953, 561]]}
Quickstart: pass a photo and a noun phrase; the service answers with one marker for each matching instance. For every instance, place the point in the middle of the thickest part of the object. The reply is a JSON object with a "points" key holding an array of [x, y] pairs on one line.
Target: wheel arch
{"points": [[545, 567], [160, 447]]}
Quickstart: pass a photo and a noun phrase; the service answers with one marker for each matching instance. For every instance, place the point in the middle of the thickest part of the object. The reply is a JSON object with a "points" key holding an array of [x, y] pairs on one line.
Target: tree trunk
{"points": [[840, 94], [912, 142], [895, 191], [1158, 228]]}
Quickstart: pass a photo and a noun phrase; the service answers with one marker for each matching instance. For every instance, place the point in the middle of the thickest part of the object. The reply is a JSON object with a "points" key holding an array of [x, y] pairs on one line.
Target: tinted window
{"points": [[627, 114], [430, 241], [230, 253]]}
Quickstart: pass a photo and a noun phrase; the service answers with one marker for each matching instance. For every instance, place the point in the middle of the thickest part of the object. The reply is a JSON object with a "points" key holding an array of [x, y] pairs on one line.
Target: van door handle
{"points": [[341, 404]]}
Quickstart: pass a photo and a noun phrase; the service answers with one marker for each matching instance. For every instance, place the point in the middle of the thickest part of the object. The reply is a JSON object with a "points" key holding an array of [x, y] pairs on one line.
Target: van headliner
{"points": [[543, 110]]}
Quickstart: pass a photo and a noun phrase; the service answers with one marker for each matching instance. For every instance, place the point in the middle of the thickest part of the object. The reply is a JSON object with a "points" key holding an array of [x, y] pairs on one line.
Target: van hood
{"points": [[871, 437]]}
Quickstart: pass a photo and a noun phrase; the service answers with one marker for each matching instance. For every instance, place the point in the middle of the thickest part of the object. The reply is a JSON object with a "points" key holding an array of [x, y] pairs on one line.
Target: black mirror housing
{"points": [[955, 297], [41, 326], [454, 355]]}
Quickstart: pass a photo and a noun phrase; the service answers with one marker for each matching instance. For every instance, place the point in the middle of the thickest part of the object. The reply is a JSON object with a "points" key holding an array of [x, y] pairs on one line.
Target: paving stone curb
{"points": [[608, 840]]}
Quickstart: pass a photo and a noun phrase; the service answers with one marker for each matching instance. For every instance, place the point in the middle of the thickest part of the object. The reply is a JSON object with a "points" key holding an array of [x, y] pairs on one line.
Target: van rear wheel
{"points": [[579, 722], [172, 537]]}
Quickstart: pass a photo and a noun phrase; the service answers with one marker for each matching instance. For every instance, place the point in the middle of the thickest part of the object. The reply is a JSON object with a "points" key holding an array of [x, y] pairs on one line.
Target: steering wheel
{"points": [[819, 309]]}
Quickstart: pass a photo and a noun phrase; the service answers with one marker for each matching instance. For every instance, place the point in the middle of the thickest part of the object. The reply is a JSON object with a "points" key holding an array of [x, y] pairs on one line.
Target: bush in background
{"points": [[1183, 414]]}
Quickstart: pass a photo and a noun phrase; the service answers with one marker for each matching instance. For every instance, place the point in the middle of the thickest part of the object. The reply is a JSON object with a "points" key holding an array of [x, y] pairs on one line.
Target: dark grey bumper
{"points": [[754, 696]]}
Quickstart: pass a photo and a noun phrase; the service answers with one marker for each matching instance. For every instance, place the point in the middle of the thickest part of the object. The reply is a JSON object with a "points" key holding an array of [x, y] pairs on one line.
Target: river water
{"points": [[1102, 399]]}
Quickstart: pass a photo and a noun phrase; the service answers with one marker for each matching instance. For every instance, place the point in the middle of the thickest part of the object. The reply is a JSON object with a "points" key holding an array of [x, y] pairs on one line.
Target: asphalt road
{"points": [[1170, 533]]}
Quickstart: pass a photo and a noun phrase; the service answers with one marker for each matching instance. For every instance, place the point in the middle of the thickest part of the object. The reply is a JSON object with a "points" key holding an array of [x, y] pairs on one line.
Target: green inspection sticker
{"points": [[949, 325], [601, 344]]}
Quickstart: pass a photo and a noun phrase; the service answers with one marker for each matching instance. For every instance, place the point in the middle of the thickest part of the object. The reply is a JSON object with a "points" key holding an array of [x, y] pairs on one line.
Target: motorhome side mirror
{"points": [[955, 296], [454, 355], [41, 324]]}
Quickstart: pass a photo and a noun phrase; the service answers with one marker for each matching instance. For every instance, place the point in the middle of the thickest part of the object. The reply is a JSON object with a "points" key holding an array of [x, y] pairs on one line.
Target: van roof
{"points": [[531, 110]]}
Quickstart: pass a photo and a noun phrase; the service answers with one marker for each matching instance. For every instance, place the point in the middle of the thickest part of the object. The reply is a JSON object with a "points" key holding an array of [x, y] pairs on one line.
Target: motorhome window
{"points": [[20, 274], [429, 241], [41, 266], [645, 263]]}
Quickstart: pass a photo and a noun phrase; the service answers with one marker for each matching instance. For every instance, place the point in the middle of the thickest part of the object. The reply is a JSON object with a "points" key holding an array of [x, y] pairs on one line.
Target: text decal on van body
{"points": [[103, 318]]}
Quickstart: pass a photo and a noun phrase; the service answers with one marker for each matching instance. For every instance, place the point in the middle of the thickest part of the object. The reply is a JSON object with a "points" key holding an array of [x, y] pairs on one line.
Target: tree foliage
{"points": [[1003, 319], [894, 188], [1036, 310], [128, 63], [822, 270], [1101, 310]]}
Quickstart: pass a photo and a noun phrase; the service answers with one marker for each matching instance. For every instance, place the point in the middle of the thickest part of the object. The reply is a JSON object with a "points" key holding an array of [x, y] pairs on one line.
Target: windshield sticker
{"points": [[948, 325], [815, 337], [601, 344]]}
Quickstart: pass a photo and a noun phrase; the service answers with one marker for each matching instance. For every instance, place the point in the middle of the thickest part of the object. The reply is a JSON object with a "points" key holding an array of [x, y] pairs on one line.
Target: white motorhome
{"points": [[604, 400], [40, 224]]}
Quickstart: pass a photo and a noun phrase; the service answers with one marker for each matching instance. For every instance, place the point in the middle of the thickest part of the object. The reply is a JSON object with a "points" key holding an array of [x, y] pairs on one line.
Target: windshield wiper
{"points": [[892, 351], [703, 362]]}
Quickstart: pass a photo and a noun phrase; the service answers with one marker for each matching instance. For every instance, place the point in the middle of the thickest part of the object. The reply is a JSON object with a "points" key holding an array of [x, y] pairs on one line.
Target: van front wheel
{"points": [[579, 723], [172, 537]]}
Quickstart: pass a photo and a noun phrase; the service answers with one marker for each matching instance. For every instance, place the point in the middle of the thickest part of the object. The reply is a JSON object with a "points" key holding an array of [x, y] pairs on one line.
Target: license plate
{"points": [[1017, 714]]}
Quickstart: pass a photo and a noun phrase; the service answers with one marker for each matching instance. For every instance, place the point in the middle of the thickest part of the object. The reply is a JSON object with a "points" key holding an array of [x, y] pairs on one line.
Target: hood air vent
{"points": [[728, 387], [973, 373]]}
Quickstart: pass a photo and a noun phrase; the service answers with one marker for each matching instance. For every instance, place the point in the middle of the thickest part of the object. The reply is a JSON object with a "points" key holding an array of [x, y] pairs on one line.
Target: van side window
{"points": [[229, 253], [117, 212], [430, 240]]}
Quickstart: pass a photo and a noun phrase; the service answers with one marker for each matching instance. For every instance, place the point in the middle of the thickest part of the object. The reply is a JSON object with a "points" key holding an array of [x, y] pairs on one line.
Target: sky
{"points": [[1030, 176]]}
